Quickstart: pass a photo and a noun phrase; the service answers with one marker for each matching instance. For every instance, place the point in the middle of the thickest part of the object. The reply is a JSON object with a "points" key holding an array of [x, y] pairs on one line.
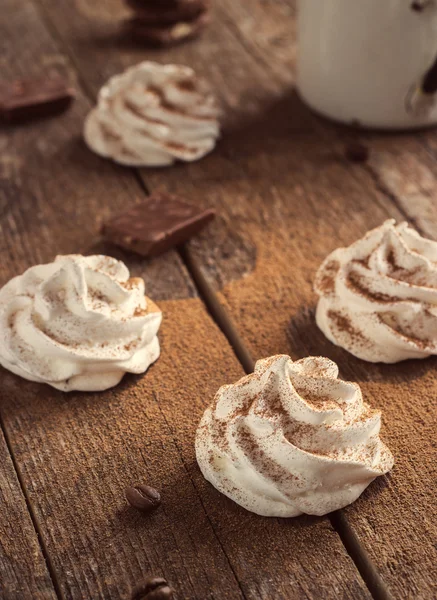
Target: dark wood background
{"points": [[285, 196]]}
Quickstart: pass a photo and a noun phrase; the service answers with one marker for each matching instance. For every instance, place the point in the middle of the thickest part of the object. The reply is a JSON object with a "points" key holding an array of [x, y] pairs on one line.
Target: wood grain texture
{"points": [[404, 168], [397, 525], [146, 430], [281, 183], [77, 452], [54, 194], [23, 572], [311, 202]]}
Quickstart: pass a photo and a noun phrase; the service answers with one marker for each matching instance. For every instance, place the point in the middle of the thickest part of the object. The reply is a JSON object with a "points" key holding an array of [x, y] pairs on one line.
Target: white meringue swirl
{"points": [[290, 439], [378, 297], [152, 115], [78, 323]]}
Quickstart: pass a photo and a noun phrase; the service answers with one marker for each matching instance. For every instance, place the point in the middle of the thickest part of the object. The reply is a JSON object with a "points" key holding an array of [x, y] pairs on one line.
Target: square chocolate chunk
{"points": [[156, 225], [25, 99]]}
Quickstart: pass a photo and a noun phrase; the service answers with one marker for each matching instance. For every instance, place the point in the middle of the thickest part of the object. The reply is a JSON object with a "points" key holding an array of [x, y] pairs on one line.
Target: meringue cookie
{"points": [[152, 115], [290, 439], [78, 323], [378, 297]]}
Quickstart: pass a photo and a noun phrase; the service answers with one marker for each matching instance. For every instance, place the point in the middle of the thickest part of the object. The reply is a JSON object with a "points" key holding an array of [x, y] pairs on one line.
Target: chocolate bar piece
{"points": [[166, 22], [160, 14], [25, 99], [156, 225], [165, 35]]}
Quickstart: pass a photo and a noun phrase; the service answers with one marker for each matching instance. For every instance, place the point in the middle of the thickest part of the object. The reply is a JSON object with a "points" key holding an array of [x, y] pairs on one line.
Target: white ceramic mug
{"points": [[369, 62]]}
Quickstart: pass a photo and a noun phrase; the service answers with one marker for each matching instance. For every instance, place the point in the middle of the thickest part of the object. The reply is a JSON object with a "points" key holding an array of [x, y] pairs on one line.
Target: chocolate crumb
{"points": [[417, 6], [356, 152]]}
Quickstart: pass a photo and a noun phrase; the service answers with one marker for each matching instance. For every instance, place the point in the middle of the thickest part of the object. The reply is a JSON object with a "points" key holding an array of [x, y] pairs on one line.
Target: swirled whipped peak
{"points": [[290, 439], [378, 297], [79, 323], [153, 115]]}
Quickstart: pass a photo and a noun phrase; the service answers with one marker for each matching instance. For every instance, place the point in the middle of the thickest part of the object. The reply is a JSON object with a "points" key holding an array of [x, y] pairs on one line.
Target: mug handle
{"points": [[419, 5], [421, 98]]}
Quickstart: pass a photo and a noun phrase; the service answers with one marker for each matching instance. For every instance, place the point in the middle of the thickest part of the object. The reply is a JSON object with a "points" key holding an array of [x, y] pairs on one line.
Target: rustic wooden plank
{"points": [[79, 453], [43, 214], [403, 165], [171, 397], [282, 294], [23, 572], [311, 202], [76, 453], [404, 168]]}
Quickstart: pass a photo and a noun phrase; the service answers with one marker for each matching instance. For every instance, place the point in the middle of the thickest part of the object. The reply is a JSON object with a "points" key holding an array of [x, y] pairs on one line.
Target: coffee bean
{"points": [[143, 497], [154, 588], [356, 152]]}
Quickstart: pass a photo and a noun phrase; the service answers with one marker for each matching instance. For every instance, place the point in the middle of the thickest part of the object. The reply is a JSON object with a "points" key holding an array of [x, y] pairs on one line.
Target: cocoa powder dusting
{"points": [[136, 431], [318, 402], [109, 133], [357, 283], [163, 101], [259, 459], [273, 310], [326, 283], [134, 109], [424, 343], [343, 324], [132, 283], [186, 85], [391, 260]]}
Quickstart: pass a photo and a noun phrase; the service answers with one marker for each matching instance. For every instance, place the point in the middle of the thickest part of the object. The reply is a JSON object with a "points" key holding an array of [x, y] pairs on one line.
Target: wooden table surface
{"points": [[242, 290]]}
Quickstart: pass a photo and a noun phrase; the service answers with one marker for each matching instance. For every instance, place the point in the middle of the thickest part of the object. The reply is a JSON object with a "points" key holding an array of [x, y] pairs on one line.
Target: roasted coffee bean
{"points": [[143, 497], [154, 588]]}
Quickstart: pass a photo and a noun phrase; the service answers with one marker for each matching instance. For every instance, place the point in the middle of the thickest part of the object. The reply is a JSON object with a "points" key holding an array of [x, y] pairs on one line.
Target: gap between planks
{"points": [[50, 568], [371, 577], [87, 92], [190, 477], [369, 573]]}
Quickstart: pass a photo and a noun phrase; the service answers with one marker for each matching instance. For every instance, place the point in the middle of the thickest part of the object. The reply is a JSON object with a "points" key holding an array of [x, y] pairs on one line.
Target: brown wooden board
{"points": [[311, 202], [77, 452], [23, 572], [398, 527], [287, 197], [404, 168]]}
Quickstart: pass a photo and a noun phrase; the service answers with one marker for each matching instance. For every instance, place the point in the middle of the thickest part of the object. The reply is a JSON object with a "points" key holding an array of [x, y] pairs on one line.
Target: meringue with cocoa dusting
{"points": [[152, 115], [378, 297], [79, 323], [291, 438]]}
